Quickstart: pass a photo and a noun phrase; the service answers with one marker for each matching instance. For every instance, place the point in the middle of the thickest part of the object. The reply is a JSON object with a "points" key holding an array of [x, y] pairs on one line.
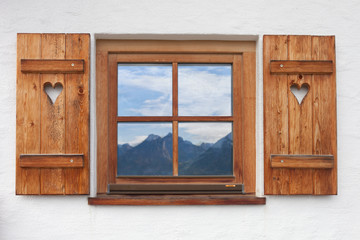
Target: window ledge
{"points": [[176, 200]]}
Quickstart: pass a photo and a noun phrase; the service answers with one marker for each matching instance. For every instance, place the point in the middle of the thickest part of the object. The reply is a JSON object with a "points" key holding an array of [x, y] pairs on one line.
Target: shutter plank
{"points": [[324, 116], [77, 114], [275, 115], [52, 115], [27, 114], [300, 117]]}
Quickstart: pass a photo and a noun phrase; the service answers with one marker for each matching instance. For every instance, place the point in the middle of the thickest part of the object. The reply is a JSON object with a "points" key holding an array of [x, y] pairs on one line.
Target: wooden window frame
{"points": [[242, 53]]}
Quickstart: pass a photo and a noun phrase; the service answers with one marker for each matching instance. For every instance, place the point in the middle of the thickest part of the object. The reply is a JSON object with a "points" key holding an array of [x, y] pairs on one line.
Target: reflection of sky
{"points": [[146, 90], [204, 90], [135, 133], [206, 132]]}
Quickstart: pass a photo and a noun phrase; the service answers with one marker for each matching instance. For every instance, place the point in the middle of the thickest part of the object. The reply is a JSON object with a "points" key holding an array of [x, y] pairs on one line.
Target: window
{"points": [[175, 115]]}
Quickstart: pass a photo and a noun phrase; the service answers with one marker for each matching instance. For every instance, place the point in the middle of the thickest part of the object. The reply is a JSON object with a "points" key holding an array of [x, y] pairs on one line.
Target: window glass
{"points": [[205, 89], [205, 148], [144, 149], [144, 89]]}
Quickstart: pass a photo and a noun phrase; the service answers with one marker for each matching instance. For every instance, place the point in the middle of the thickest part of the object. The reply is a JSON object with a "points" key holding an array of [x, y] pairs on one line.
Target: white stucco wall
{"points": [[69, 217]]}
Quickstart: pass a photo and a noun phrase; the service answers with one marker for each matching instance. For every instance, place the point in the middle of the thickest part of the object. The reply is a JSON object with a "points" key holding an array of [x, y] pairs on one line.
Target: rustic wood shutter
{"points": [[300, 137], [52, 138]]}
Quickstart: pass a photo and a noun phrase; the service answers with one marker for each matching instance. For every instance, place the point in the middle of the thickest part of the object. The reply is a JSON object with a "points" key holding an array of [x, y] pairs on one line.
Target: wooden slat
{"points": [[52, 116], [27, 114], [113, 112], [52, 66], [173, 57], [300, 117], [51, 160], [175, 118], [302, 161], [324, 116], [275, 116], [303, 67], [163, 46], [175, 132], [77, 113], [102, 120], [237, 125], [177, 200], [249, 119]]}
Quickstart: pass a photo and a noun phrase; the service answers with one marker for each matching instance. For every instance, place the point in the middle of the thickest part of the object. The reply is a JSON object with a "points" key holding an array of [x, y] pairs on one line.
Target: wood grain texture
{"points": [[324, 116], [307, 127], [164, 46], [249, 120], [51, 160], [301, 67], [52, 66], [302, 161], [52, 116], [112, 117], [102, 120], [276, 116], [56, 124], [77, 105], [300, 117], [238, 125], [177, 200], [27, 114]]}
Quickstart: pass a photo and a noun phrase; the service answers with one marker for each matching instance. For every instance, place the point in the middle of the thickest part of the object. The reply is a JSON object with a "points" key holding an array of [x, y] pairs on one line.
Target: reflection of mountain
{"points": [[154, 157]]}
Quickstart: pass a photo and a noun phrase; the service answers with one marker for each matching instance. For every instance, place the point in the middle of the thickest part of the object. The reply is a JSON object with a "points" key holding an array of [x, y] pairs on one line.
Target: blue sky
{"points": [[146, 90]]}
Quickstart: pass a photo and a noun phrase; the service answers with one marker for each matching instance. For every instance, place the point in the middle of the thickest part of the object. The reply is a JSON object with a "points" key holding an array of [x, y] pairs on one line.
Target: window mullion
{"points": [[175, 114]]}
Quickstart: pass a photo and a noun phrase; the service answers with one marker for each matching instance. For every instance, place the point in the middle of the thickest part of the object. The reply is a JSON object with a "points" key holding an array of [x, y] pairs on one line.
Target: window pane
{"points": [[205, 89], [205, 149], [144, 149], [144, 89]]}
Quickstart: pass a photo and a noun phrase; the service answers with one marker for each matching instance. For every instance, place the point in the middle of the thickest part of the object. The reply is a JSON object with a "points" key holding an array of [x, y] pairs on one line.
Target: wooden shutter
{"points": [[300, 137], [52, 138]]}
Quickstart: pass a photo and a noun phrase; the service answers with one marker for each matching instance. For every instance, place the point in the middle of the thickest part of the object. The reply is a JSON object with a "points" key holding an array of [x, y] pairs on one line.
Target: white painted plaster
{"points": [[69, 217]]}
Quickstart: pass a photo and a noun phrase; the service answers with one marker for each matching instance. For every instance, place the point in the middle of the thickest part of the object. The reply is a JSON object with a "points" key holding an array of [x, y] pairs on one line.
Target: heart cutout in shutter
{"points": [[300, 92], [53, 92]]}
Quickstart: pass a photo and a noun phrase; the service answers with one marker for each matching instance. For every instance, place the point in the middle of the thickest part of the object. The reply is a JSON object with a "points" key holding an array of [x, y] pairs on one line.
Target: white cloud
{"points": [[135, 141], [205, 132], [201, 93], [160, 106]]}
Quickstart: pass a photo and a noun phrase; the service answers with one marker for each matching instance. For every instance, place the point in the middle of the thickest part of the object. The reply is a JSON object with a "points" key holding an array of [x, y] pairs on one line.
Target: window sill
{"points": [[176, 200]]}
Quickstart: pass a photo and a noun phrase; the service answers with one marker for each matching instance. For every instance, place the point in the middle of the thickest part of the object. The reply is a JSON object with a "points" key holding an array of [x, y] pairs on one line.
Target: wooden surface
{"points": [[248, 120], [306, 129], [237, 199], [51, 160], [303, 67], [164, 46], [302, 161], [52, 66], [61, 127], [109, 53]]}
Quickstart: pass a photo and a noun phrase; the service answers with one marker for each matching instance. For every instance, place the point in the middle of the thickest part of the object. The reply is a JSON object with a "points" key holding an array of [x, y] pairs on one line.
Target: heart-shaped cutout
{"points": [[300, 92], [53, 92]]}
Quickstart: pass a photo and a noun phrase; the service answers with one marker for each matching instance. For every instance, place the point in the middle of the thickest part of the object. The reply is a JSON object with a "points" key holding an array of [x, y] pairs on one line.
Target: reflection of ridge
{"points": [[153, 156]]}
